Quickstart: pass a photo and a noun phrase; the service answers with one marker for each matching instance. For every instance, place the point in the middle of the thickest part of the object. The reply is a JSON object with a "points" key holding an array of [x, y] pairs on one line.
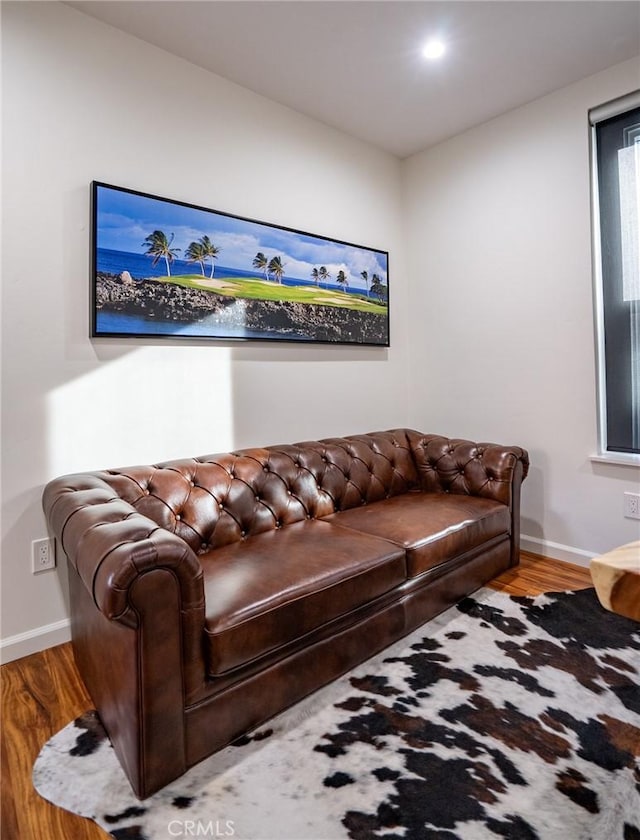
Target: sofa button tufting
{"points": [[178, 517]]}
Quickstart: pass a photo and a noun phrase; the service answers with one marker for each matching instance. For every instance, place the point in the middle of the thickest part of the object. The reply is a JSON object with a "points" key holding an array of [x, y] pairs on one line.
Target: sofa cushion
{"points": [[431, 527], [272, 588]]}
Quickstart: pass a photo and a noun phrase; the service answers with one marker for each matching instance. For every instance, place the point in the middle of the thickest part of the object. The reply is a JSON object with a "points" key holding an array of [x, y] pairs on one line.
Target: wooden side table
{"points": [[616, 577]]}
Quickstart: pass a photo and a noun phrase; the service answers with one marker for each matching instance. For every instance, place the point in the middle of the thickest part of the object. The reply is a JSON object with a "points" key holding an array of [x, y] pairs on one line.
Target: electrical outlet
{"points": [[632, 505], [43, 555]]}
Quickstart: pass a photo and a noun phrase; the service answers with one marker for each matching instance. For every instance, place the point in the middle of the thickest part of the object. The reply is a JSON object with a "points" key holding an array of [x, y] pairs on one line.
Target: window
{"points": [[615, 154]]}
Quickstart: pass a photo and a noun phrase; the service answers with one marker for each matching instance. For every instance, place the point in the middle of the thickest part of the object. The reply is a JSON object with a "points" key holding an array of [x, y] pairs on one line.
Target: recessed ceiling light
{"points": [[433, 49]]}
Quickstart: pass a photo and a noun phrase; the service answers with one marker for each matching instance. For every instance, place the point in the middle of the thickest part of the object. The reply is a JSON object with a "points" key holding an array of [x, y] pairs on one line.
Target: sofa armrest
{"points": [[111, 546], [451, 465], [137, 622]]}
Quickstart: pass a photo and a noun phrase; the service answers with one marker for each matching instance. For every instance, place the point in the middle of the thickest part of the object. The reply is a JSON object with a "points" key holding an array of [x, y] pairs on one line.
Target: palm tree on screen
{"points": [[276, 268], [365, 277], [324, 275], [195, 253], [261, 263], [210, 252], [315, 275], [378, 288], [341, 278], [159, 247]]}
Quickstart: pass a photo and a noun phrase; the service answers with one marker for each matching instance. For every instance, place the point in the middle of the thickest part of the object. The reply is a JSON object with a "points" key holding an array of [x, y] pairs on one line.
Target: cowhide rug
{"points": [[505, 717]]}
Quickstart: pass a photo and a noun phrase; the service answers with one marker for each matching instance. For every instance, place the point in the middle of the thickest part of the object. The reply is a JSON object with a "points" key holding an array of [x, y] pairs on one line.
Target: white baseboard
{"points": [[556, 551], [33, 641]]}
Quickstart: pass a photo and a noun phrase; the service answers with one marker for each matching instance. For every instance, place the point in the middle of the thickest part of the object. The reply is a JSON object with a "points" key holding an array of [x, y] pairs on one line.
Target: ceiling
{"points": [[356, 65]]}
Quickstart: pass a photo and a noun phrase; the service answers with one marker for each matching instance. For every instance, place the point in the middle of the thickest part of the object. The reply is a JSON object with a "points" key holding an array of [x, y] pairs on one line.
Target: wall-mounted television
{"points": [[168, 269]]}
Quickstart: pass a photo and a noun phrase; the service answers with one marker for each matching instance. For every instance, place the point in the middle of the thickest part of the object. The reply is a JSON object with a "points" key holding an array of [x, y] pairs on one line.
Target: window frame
{"points": [[597, 115]]}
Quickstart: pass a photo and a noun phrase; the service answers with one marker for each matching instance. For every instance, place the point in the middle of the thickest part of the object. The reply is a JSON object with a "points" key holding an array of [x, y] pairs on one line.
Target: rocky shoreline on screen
{"points": [[154, 299], [157, 300]]}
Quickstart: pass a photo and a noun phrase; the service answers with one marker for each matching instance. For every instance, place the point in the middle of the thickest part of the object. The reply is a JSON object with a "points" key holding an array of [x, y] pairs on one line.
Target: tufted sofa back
{"points": [[214, 500]]}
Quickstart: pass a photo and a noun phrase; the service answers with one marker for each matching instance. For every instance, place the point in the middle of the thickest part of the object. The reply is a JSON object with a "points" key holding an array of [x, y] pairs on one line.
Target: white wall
{"points": [[501, 318], [82, 101]]}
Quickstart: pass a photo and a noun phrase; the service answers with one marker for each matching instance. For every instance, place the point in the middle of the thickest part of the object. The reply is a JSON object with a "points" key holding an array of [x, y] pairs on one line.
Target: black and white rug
{"points": [[505, 717]]}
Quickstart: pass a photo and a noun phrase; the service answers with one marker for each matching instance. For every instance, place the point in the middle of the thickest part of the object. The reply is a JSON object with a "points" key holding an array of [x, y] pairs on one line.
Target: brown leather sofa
{"points": [[210, 593]]}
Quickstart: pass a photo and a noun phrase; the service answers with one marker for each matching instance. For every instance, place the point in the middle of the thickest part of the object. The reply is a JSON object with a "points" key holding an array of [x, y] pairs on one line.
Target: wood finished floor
{"points": [[43, 692]]}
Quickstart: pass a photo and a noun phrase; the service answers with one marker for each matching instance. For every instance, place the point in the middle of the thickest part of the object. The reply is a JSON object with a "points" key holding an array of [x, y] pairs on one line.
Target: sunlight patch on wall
{"points": [[154, 404]]}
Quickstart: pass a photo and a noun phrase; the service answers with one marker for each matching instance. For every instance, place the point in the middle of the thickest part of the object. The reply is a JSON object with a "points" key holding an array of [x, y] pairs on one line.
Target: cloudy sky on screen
{"points": [[125, 219]]}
